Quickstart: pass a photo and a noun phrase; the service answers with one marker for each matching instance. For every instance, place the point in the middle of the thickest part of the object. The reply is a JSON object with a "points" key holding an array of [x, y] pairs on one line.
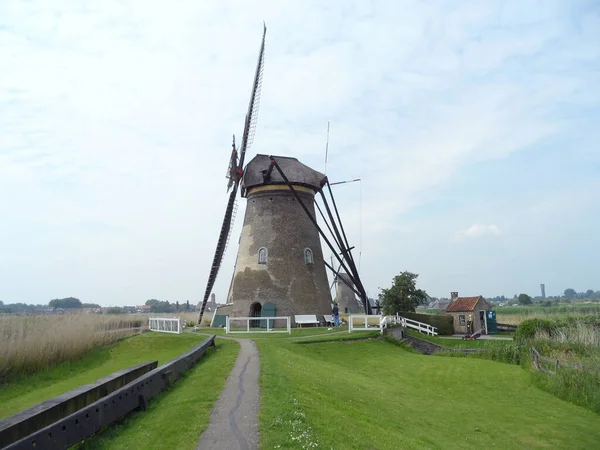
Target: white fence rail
{"points": [[369, 322], [268, 329], [416, 325], [381, 322], [165, 324]]}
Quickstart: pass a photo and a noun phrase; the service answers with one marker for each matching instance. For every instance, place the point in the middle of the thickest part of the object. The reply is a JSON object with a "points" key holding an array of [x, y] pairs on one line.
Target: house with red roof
{"points": [[468, 311]]}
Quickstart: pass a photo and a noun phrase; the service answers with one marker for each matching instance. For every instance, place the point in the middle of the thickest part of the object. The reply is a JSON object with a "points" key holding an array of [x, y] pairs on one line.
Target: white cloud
{"points": [[477, 230]]}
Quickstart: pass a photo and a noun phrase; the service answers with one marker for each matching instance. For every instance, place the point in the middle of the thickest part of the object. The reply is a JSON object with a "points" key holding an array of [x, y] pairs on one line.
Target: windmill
{"points": [[280, 264], [235, 172]]}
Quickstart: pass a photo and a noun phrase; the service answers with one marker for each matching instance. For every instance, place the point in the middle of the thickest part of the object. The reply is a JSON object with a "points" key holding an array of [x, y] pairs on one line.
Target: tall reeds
{"points": [[30, 343]]}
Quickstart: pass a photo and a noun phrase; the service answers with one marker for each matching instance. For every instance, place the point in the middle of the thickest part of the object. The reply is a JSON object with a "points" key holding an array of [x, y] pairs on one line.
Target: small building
{"points": [[465, 309], [441, 304]]}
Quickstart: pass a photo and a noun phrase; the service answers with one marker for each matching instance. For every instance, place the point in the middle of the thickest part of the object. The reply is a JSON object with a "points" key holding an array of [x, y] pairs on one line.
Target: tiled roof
{"points": [[463, 304]]}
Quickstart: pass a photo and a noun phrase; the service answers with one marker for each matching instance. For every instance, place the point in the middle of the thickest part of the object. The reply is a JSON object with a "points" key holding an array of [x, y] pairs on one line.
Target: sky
{"points": [[474, 127]]}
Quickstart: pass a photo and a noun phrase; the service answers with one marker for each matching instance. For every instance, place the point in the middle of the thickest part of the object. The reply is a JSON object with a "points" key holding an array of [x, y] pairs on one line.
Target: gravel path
{"points": [[234, 418]]}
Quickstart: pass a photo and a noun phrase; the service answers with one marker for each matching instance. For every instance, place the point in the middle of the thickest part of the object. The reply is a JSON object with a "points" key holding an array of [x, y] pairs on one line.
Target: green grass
{"points": [[296, 333], [575, 308], [370, 394], [354, 336], [457, 342], [176, 418], [30, 390]]}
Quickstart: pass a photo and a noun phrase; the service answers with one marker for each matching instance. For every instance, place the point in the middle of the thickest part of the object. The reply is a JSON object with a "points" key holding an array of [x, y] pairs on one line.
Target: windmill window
{"points": [[308, 256], [262, 255]]}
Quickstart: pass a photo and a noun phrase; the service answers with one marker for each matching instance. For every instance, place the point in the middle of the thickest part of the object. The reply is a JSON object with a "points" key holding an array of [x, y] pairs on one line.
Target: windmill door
{"points": [[268, 310]]}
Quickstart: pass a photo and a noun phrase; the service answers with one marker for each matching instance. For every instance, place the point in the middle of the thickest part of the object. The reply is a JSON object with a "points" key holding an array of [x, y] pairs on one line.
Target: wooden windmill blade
{"points": [[247, 138]]}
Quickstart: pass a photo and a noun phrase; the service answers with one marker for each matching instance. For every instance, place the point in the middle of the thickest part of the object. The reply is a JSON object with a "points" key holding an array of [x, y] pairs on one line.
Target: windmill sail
{"points": [[247, 138]]}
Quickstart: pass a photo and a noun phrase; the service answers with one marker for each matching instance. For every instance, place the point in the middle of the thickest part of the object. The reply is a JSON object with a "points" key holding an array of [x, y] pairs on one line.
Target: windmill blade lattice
{"points": [[236, 175]]}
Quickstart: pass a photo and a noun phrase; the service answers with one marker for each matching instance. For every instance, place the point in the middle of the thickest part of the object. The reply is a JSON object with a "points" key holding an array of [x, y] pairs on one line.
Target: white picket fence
{"points": [[251, 329], [374, 322], [166, 324]]}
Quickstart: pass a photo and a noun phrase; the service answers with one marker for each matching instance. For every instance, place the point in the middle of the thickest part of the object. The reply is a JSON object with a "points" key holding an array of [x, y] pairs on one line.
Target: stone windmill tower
{"points": [[345, 296], [280, 268], [279, 261]]}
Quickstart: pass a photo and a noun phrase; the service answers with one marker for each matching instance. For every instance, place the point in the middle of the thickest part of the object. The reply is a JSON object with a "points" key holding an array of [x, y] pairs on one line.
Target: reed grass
{"points": [[516, 315], [31, 343]]}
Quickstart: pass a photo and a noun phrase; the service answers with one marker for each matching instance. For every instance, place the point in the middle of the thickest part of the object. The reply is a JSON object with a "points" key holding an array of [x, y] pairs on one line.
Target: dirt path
{"points": [[234, 418]]}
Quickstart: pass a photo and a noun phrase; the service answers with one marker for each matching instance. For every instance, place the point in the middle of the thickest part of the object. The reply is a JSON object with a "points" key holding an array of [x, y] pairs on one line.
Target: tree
{"points": [[187, 305], [524, 299], [589, 294], [177, 305], [403, 295], [90, 305], [570, 293], [69, 302]]}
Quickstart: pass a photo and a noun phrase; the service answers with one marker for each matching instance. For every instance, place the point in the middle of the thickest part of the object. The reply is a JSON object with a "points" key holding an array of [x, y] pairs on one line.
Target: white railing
{"points": [[381, 322], [369, 322], [415, 325], [165, 325], [269, 328]]}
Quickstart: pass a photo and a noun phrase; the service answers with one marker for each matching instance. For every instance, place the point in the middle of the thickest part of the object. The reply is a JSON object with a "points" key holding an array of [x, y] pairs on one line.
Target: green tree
{"points": [[69, 302], [589, 294], [570, 293], [177, 305], [187, 305], [90, 305], [524, 299], [403, 295]]}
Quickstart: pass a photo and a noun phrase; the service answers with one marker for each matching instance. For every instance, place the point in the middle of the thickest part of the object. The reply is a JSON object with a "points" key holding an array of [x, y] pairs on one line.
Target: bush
{"points": [[527, 329], [443, 323]]}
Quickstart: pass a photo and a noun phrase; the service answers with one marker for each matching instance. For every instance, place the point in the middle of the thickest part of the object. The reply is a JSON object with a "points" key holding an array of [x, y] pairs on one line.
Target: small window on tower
{"points": [[308, 256], [262, 256]]}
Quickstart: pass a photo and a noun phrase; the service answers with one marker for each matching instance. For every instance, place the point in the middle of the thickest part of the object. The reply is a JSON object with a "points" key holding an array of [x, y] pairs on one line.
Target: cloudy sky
{"points": [[474, 127]]}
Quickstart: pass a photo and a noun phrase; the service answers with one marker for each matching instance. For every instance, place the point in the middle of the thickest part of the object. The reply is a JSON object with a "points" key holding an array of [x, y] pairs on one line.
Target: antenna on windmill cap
{"points": [[326, 148]]}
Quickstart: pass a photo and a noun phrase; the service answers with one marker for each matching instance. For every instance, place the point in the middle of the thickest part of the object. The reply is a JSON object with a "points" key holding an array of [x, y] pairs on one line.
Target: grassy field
{"points": [[296, 333], [325, 388], [177, 417], [370, 394], [30, 390], [452, 342]]}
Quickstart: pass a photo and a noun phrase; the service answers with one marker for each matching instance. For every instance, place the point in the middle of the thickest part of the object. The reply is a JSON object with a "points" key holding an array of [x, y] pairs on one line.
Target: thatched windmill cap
{"points": [[296, 172]]}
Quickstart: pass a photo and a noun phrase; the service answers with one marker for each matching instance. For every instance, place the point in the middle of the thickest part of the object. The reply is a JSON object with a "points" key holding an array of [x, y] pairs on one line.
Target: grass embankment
{"points": [[371, 394], [177, 417], [31, 343], [27, 391], [575, 341], [296, 333], [453, 342]]}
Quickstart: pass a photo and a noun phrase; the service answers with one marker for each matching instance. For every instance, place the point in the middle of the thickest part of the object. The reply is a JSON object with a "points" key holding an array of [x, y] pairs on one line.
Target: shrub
{"points": [[443, 323], [528, 328]]}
